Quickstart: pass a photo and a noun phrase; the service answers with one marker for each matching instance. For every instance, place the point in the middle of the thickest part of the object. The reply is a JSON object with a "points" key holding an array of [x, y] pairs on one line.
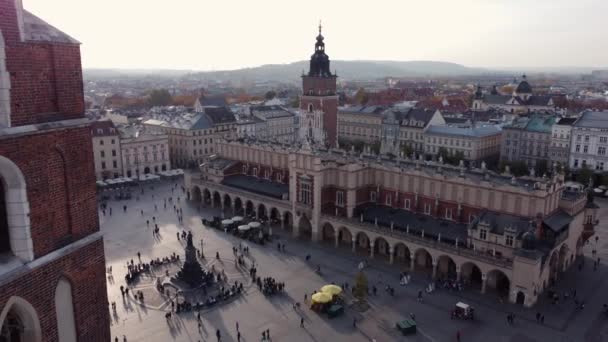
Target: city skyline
{"points": [[145, 35]]}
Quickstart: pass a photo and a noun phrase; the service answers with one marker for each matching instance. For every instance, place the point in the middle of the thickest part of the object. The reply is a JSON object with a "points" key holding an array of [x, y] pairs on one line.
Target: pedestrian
{"points": [[110, 211], [420, 295], [264, 335], [198, 317], [124, 208], [542, 319], [139, 256], [147, 223], [153, 218], [301, 322], [237, 325], [122, 290], [268, 334], [116, 339], [354, 322], [537, 317], [124, 338], [218, 334], [127, 291], [305, 297], [217, 255], [142, 212], [238, 336], [458, 336]]}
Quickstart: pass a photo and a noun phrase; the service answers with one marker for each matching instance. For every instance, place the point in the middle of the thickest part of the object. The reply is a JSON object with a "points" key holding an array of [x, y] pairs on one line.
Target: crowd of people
{"points": [[269, 286]]}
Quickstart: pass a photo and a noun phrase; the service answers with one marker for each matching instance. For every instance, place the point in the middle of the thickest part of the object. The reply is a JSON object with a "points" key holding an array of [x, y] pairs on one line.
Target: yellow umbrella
{"points": [[332, 289], [321, 297]]}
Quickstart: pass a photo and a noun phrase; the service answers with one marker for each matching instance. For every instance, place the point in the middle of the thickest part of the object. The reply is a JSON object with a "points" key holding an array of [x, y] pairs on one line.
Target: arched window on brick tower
{"points": [[5, 87], [5, 243], [19, 322]]}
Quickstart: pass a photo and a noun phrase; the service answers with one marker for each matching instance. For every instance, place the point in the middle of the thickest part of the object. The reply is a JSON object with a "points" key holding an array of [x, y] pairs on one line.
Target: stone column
{"points": [[391, 256], [371, 249], [354, 244], [457, 273], [336, 241], [434, 268], [282, 222], [483, 283], [412, 262]]}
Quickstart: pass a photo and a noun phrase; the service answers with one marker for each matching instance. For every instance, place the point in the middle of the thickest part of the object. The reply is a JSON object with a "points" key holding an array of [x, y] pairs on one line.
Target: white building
{"points": [[145, 153], [560, 141], [590, 141], [279, 123], [522, 100], [106, 150]]}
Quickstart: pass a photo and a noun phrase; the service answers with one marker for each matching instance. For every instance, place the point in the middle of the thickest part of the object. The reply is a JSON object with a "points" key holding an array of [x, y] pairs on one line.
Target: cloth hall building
{"points": [[502, 235]]}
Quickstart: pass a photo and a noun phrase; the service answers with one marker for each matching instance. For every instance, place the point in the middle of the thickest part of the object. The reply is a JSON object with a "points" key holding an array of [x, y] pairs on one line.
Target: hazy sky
{"points": [[226, 34]]}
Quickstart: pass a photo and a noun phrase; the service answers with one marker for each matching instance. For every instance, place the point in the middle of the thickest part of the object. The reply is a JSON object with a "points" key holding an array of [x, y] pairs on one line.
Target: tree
{"points": [[361, 96], [270, 95], [360, 290], [584, 175], [160, 97], [375, 147], [541, 168], [407, 151]]}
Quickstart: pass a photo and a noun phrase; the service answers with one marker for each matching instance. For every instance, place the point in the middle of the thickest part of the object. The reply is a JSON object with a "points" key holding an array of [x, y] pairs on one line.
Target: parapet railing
{"points": [[284, 204]]}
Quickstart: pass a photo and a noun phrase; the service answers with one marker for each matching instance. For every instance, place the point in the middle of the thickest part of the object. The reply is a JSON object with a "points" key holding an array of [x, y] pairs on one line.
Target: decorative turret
{"points": [[319, 61]]}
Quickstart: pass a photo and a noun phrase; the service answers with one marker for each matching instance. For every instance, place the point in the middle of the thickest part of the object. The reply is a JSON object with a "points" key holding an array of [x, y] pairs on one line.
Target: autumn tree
{"points": [[270, 95], [361, 97], [160, 97]]}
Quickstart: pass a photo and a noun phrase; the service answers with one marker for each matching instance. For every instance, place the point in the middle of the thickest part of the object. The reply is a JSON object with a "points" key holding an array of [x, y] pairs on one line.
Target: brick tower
{"points": [[52, 265], [319, 101]]}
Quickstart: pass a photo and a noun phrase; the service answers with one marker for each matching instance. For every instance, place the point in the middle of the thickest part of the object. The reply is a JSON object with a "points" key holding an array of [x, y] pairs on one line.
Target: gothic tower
{"points": [[319, 99]]}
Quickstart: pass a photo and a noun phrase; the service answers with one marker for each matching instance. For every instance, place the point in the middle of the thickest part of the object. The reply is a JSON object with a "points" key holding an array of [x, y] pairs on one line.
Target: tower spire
{"points": [[320, 26]]}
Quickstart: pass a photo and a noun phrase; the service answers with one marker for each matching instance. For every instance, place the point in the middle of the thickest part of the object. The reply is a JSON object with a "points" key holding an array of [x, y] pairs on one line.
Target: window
{"points": [[578, 138], [604, 140], [586, 138], [448, 213], [388, 200], [305, 192], [599, 166], [101, 142], [578, 148], [114, 164], [103, 165], [482, 234], [575, 162], [113, 153], [585, 149], [103, 154], [509, 240], [340, 198], [601, 150], [255, 171], [406, 204], [589, 219], [372, 196], [427, 209], [112, 141]]}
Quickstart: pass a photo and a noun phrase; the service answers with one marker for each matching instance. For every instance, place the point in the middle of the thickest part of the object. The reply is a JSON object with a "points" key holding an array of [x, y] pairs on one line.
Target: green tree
{"points": [[375, 147], [407, 151], [519, 168], [361, 97], [584, 175], [541, 168], [361, 287], [160, 97], [270, 95]]}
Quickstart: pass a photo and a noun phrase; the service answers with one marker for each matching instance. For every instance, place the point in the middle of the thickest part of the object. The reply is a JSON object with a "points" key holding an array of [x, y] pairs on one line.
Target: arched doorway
{"points": [[381, 248], [19, 322], [470, 274], [249, 209], [423, 261], [66, 325], [402, 254], [328, 233], [498, 282], [206, 196], [227, 202], [238, 206], [288, 221], [345, 238], [164, 167], [217, 199], [146, 170], [262, 215], [520, 298], [446, 268], [362, 244], [196, 194], [274, 216], [305, 228]]}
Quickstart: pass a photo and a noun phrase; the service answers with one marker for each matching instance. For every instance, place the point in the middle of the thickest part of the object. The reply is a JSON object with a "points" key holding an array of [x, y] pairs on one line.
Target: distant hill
{"points": [[349, 70]]}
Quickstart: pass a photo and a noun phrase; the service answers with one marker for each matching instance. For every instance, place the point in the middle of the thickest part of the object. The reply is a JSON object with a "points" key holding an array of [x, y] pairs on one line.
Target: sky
{"points": [[230, 34]]}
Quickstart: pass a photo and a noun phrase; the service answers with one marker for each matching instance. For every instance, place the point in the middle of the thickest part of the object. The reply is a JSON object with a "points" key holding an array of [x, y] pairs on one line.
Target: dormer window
{"points": [[99, 131], [509, 240], [483, 234]]}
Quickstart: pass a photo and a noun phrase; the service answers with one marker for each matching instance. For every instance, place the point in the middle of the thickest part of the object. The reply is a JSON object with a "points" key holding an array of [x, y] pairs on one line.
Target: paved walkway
{"points": [[126, 234]]}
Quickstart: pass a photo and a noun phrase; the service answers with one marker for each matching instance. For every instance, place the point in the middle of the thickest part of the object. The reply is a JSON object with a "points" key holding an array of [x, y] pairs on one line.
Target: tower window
{"points": [[5, 246], [310, 108]]}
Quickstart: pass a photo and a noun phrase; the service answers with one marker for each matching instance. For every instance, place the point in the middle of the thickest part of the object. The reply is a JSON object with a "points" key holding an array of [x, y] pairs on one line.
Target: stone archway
{"points": [[288, 221], [227, 202], [238, 206], [262, 213], [402, 254], [328, 233], [196, 194], [217, 199], [520, 298], [382, 248], [498, 282], [471, 275], [20, 320], [362, 243], [275, 216], [206, 196], [304, 228], [446, 268], [423, 261], [249, 211], [345, 238]]}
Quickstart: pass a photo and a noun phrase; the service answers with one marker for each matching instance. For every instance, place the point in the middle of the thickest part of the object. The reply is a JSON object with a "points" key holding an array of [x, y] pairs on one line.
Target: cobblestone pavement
{"points": [[126, 234]]}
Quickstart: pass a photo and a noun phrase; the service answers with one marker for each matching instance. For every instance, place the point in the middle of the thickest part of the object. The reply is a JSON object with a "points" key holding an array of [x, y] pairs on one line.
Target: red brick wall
{"points": [[50, 161], [46, 78], [85, 269], [322, 86]]}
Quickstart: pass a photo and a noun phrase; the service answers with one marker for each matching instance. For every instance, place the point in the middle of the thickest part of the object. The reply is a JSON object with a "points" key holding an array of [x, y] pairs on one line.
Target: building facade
{"points": [[505, 236], [474, 143], [528, 139], [590, 141], [522, 100], [52, 252], [106, 150], [145, 153], [560, 141], [278, 123], [363, 123], [193, 136]]}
